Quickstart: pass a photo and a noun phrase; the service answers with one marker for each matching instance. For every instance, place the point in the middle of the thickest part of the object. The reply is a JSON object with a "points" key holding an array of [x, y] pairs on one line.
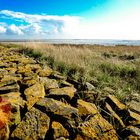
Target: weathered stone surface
{"points": [[63, 83], [64, 92], [115, 103], [5, 113], [113, 117], [9, 80], [131, 137], [59, 130], [33, 94], [131, 132], [57, 75], [49, 83], [34, 126], [97, 128], [88, 86], [134, 106], [57, 107], [29, 81], [133, 118], [4, 133], [10, 88], [85, 108], [45, 72]]}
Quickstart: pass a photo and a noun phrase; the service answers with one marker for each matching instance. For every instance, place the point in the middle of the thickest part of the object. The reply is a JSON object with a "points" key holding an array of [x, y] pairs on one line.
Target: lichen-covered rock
{"points": [[85, 108], [134, 106], [29, 81], [15, 102], [33, 94], [5, 114], [115, 103], [4, 132], [49, 83], [59, 131], [57, 108], [132, 118], [63, 83], [131, 132], [113, 117], [9, 80], [9, 88], [57, 75], [34, 126], [45, 72], [97, 128], [67, 92]]}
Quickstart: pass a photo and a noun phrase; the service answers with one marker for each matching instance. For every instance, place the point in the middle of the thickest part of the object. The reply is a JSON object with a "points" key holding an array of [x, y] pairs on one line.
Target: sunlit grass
{"points": [[116, 67]]}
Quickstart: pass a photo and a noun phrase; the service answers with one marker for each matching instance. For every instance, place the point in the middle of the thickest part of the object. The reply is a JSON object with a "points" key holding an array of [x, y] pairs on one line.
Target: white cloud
{"points": [[35, 25], [13, 29], [116, 25], [2, 30]]}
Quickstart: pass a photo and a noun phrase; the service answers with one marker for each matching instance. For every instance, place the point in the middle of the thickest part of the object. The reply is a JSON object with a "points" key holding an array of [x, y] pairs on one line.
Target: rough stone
{"points": [[59, 130], [57, 108], [89, 86], [132, 118], [49, 83], [64, 92], [134, 106], [63, 83], [45, 72], [85, 108], [97, 128], [34, 126], [33, 94], [115, 119], [115, 103], [10, 88], [131, 132]]}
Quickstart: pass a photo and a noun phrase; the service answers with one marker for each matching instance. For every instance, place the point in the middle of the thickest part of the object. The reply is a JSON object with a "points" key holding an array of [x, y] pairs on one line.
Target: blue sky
{"points": [[83, 19]]}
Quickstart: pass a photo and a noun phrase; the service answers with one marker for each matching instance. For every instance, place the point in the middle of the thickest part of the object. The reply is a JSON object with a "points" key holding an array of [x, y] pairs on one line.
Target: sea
{"points": [[105, 42]]}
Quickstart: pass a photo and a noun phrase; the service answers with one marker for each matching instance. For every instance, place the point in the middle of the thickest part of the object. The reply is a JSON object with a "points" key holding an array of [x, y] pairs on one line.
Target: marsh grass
{"points": [[117, 67]]}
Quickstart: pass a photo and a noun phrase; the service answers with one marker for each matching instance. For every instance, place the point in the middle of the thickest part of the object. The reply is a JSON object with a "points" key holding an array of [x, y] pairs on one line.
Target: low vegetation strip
{"points": [[115, 68], [37, 102]]}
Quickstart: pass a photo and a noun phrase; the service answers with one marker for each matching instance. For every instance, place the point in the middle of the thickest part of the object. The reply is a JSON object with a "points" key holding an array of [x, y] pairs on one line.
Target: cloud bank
{"points": [[37, 26], [114, 25]]}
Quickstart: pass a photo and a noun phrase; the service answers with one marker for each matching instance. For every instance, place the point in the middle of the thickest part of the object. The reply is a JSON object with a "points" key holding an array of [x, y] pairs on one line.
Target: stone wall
{"points": [[39, 103]]}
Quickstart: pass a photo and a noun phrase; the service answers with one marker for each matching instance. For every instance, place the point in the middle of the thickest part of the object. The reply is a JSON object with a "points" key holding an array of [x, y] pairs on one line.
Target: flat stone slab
{"points": [[57, 108], [63, 92]]}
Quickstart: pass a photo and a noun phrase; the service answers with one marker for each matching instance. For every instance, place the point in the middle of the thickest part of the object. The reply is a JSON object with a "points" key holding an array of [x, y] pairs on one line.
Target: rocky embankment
{"points": [[38, 103]]}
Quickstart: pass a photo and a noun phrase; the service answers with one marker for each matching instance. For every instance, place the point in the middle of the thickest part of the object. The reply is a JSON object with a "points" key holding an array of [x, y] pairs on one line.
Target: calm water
{"points": [[83, 41], [94, 41]]}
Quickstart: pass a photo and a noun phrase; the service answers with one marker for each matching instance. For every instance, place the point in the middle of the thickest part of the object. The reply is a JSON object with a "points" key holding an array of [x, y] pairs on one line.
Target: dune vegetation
{"points": [[111, 69]]}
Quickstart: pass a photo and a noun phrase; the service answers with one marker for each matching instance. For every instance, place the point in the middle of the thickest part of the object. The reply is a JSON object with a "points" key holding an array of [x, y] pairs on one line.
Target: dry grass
{"points": [[116, 67]]}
